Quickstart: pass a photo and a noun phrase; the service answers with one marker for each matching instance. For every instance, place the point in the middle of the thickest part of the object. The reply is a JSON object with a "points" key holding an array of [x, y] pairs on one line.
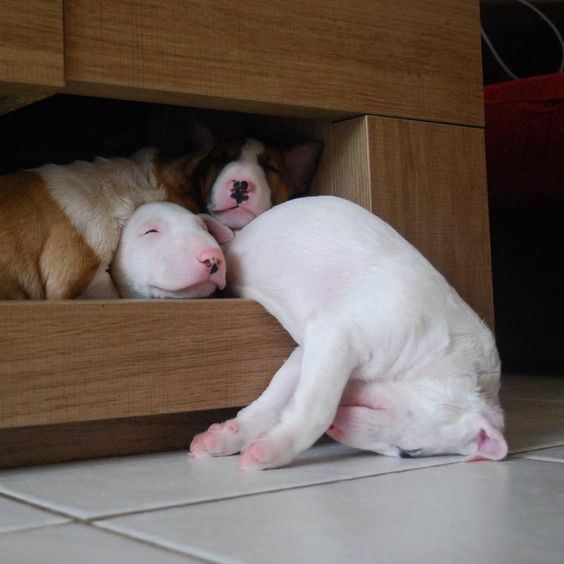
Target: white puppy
{"points": [[166, 251], [387, 350]]}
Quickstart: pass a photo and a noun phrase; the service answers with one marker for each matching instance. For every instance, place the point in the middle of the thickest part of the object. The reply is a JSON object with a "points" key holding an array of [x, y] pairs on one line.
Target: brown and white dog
{"points": [[240, 179], [60, 224]]}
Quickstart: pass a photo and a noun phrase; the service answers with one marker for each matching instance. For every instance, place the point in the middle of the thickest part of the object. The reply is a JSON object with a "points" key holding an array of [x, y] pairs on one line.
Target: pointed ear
{"points": [[175, 172], [490, 443], [301, 162], [221, 233], [190, 162]]}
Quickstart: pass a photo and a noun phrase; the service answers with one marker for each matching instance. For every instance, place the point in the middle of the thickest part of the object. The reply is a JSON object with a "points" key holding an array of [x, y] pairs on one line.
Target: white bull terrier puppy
{"points": [[389, 357], [166, 251]]}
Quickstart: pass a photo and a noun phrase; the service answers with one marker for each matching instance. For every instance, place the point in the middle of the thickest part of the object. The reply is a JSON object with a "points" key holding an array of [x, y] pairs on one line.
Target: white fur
{"points": [[364, 306], [166, 251], [246, 167], [98, 198]]}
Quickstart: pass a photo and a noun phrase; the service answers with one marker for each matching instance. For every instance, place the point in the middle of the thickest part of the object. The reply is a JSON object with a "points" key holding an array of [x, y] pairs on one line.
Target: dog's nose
{"points": [[211, 260], [240, 185]]}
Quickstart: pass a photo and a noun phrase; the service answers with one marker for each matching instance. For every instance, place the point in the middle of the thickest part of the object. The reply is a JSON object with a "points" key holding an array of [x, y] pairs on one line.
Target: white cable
{"points": [[541, 15]]}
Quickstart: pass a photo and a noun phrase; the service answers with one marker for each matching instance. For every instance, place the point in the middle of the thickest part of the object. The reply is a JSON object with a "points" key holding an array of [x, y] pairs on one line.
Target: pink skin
{"points": [[241, 191], [168, 252]]}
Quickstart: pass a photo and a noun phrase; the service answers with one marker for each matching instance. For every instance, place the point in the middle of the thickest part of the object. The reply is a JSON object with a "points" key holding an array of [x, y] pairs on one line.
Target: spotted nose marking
{"points": [[239, 193]]}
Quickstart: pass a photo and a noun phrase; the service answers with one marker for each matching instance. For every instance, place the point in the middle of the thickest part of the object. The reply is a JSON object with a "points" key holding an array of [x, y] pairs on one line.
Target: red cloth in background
{"points": [[525, 161], [525, 142]]}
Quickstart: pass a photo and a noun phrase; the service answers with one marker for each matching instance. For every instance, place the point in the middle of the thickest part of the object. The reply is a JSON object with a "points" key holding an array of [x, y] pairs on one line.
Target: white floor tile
{"points": [[80, 544], [550, 454], [532, 424], [103, 487], [15, 516], [501, 513]]}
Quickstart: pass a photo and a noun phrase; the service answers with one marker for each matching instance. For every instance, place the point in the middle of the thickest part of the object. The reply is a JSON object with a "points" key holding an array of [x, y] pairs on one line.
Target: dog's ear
{"points": [[221, 233], [490, 443], [177, 173], [301, 163]]}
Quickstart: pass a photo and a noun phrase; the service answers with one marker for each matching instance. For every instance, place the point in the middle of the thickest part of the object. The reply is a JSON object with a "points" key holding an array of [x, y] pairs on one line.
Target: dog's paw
{"points": [[220, 439], [267, 451]]}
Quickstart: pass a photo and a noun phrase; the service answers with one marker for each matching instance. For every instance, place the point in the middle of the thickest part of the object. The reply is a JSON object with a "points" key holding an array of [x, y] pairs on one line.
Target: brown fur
{"points": [[177, 175], [42, 255]]}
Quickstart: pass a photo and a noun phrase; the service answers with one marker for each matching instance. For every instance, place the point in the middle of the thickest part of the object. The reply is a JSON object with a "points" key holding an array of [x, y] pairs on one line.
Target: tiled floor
{"points": [[333, 505]]}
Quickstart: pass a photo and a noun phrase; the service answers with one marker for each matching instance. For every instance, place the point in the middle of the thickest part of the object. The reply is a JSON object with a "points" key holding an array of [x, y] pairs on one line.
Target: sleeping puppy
{"points": [[241, 179], [167, 251], [60, 225], [389, 357]]}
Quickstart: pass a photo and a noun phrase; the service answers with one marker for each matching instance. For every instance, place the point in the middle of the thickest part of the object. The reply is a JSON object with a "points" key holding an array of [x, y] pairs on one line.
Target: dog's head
{"points": [[168, 252], [240, 179], [412, 419]]}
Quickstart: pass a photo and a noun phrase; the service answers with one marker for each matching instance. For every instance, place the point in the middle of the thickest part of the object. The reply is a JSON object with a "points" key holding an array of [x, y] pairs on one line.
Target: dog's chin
{"points": [[235, 218], [200, 290]]}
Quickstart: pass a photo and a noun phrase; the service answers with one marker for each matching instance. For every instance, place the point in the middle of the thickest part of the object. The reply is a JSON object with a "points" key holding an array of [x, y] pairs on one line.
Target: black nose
{"points": [[239, 196], [240, 186]]}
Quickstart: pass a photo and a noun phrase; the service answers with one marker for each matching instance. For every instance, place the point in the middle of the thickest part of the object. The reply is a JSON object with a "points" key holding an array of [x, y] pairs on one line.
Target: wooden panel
{"points": [[78, 361], [410, 58], [428, 181], [47, 444], [31, 45]]}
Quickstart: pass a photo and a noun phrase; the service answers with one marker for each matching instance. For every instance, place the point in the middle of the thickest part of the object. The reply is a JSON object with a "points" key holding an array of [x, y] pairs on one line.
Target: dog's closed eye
{"points": [[150, 231]]}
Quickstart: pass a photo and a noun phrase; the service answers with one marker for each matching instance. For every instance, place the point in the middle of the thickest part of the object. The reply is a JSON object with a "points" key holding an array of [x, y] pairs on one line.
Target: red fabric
{"points": [[525, 142]]}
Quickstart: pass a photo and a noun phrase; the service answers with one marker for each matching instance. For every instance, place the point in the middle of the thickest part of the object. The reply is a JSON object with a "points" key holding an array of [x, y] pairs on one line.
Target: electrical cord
{"points": [[541, 15]]}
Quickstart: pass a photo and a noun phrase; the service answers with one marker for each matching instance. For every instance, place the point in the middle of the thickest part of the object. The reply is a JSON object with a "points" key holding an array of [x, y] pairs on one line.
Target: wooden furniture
{"points": [[393, 88]]}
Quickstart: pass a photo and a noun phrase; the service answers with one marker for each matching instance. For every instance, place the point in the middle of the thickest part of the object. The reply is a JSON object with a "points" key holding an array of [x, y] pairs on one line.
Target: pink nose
{"points": [[211, 258]]}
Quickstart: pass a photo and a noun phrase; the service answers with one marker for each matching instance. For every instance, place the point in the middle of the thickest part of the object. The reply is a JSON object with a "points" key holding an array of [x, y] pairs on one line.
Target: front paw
{"points": [[268, 451], [220, 439]]}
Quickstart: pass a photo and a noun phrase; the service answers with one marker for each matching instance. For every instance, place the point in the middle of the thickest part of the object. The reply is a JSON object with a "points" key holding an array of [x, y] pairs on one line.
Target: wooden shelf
{"points": [[31, 51], [74, 361]]}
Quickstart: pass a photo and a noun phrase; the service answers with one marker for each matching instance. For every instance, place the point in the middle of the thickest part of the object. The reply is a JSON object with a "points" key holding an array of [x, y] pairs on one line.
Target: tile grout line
{"points": [[93, 519], [543, 459], [148, 542], [22, 497], [156, 543], [37, 505], [252, 494]]}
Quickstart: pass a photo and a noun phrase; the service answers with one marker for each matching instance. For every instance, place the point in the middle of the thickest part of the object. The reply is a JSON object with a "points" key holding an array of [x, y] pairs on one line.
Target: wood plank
{"points": [[71, 361], [31, 49], [410, 58], [428, 181], [48, 444]]}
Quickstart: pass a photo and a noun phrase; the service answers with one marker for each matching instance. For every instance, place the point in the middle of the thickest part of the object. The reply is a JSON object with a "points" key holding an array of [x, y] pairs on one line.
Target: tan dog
{"points": [[60, 224]]}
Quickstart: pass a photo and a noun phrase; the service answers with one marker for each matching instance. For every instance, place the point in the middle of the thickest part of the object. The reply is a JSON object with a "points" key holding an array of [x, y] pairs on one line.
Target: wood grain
{"points": [[345, 168], [31, 45], [74, 361], [47, 444], [428, 181], [409, 58]]}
